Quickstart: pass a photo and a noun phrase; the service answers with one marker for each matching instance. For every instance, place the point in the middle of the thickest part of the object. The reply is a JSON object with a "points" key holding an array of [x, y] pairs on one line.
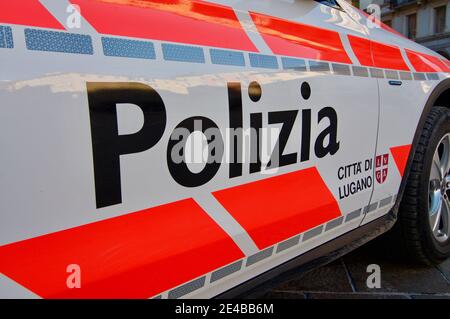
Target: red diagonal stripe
{"points": [[376, 54], [426, 63], [280, 207], [184, 21], [300, 40], [136, 255], [27, 12]]}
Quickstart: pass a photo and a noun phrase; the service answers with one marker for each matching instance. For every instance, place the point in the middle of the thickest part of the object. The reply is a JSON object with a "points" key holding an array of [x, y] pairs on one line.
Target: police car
{"points": [[196, 149]]}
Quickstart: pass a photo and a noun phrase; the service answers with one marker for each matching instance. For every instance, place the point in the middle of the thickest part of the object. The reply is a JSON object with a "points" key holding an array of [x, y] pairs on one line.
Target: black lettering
{"points": [[331, 131], [180, 171], [235, 110], [306, 135], [288, 120], [255, 142], [107, 144]]}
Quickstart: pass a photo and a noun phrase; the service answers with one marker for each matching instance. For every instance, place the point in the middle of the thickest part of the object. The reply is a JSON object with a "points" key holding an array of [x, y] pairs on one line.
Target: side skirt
{"points": [[319, 256]]}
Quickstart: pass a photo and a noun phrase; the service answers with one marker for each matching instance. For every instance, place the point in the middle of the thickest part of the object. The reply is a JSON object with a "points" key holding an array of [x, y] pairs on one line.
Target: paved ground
{"points": [[346, 278]]}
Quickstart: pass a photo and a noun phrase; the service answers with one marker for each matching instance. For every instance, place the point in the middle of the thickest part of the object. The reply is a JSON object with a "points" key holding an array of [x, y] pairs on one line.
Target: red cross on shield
{"points": [[381, 167]]}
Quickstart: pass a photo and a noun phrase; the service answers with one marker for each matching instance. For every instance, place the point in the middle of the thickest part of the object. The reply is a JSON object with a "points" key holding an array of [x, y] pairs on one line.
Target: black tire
{"points": [[412, 231]]}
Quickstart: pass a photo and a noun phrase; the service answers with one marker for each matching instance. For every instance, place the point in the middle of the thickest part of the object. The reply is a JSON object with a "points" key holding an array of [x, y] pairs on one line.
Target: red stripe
{"points": [[426, 63], [280, 207], [300, 40], [27, 12], [184, 21], [133, 256], [376, 54]]}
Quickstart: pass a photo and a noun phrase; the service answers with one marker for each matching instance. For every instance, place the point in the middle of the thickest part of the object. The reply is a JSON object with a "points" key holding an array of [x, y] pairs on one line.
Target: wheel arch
{"points": [[439, 97]]}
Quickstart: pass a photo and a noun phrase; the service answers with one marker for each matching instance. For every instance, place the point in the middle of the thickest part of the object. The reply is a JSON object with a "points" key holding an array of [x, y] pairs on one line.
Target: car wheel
{"points": [[424, 216]]}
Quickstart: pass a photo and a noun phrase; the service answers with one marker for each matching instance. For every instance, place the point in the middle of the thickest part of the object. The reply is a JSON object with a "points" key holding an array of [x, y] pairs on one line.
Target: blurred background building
{"points": [[424, 21]]}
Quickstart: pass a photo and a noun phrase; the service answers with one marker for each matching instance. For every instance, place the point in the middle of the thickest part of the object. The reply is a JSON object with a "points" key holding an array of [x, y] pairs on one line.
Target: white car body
{"points": [[154, 230]]}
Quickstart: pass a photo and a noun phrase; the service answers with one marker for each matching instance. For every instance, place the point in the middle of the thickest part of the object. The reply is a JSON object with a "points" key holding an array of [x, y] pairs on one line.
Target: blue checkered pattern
{"points": [[183, 53], [57, 41], [293, 64], [6, 38], [226, 57], [263, 61], [53, 41], [128, 48]]}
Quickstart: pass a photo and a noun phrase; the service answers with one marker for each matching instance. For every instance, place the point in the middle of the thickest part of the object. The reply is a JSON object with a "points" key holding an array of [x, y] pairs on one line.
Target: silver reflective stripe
{"points": [[432, 76], [341, 69], [376, 73], [354, 214], [393, 75], [419, 76], [406, 76], [225, 271], [259, 256], [187, 288], [316, 66], [370, 208], [360, 71], [313, 233], [334, 223], [385, 201], [291, 242]]}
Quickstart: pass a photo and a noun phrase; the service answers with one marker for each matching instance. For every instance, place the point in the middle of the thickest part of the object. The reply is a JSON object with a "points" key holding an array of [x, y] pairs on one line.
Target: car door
{"points": [[180, 152], [406, 73]]}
